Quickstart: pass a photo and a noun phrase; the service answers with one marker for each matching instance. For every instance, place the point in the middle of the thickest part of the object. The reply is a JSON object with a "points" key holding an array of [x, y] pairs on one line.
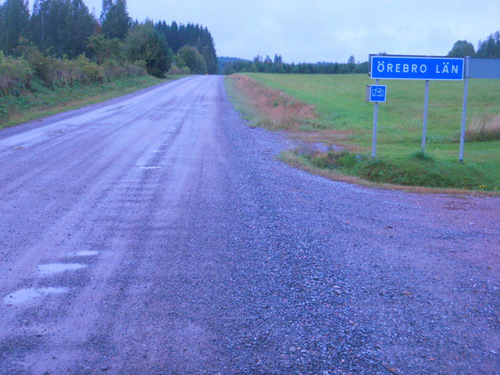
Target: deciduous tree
{"points": [[102, 49], [462, 48], [193, 59], [144, 43]]}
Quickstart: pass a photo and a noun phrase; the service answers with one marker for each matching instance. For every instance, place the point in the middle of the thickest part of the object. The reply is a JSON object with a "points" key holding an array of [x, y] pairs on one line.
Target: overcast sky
{"points": [[327, 30]]}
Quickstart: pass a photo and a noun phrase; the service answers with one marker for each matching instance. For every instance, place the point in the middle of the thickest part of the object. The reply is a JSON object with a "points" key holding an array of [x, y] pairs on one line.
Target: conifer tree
{"points": [[82, 25], [490, 47], [115, 19], [14, 20], [106, 6], [61, 27]]}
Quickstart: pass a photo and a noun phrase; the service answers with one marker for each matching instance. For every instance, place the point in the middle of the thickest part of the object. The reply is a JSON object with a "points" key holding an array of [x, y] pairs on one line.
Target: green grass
{"points": [[45, 101], [341, 106], [417, 169]]}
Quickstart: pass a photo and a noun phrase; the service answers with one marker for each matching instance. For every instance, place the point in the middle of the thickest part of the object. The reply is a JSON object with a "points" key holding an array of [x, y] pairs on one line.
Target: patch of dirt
{"points": [[336, 140]]}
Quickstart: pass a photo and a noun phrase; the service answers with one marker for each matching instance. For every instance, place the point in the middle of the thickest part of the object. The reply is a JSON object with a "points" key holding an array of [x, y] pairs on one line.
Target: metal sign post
{"points": [[464, 110], [426, 106], [374, 137], [375, 119], [376, 94]]}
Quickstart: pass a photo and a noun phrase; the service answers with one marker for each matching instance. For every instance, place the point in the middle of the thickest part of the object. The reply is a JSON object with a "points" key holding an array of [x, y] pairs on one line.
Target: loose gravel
{"points": [[344, 279], [259, 268]]}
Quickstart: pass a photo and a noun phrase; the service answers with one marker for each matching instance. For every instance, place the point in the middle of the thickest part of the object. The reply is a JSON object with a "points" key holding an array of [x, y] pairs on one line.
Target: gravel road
{"points": [[158, 234]]}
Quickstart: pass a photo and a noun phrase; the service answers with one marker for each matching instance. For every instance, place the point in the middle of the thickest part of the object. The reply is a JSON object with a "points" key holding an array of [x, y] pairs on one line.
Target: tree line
{"points": [[67, 30], [488, 48], [228, 65], [192, 45]]}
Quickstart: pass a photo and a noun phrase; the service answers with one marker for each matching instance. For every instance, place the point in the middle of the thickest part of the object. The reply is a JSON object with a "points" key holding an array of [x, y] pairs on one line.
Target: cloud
{"points": [[328, 30]]}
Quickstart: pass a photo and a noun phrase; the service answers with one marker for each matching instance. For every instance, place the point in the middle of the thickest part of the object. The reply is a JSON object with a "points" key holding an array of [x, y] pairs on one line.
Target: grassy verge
{"points": [[45, 101], [344, 121], [268, 108], [415, 170]]}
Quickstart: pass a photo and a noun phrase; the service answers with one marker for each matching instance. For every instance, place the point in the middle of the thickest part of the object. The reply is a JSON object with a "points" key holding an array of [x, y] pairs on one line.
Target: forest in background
{"points": [[230, 65], [59, 42], [488, 48]]}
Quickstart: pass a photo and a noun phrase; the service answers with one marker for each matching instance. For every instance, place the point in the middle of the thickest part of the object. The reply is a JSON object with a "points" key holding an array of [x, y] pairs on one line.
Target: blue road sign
{"points": [[377, 93], [417, 67]]}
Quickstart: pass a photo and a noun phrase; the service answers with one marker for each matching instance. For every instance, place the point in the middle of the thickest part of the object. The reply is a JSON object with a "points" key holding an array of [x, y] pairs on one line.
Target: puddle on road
{"points": [[85, 253], [26, 295], [50, 269]]}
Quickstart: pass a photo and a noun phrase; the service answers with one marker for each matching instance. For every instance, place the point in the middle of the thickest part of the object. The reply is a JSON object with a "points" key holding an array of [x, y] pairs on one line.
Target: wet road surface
{"points": [[158, 234]]}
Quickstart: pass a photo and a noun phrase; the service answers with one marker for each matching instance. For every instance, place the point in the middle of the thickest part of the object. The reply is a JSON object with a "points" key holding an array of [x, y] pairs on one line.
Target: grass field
{"points": [[346, 119]]}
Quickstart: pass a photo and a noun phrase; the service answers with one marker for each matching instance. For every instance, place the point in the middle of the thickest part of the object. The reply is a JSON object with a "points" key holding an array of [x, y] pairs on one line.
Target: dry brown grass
{"points": [[278, 111], [274, 110], [484, 128]]}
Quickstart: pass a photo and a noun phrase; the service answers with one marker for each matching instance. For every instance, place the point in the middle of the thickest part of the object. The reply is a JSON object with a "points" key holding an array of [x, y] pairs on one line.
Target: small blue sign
{"points": [[417, 67], [377, 93]]}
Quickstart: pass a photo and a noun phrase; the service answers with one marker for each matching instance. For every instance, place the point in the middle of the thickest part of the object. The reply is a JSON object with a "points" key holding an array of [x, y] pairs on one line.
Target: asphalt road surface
{"points": [[158, 234]]}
